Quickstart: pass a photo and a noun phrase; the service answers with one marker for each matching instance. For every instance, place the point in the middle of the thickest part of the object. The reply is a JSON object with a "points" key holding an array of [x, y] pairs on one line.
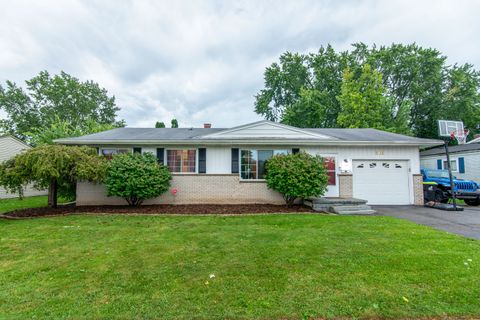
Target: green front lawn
{"points": [[30, 202], [7, 205], [269, 267]]}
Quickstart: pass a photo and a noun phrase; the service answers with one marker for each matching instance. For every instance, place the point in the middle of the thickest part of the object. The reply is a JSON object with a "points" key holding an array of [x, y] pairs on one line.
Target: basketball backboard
{"points": [[447, 127]]}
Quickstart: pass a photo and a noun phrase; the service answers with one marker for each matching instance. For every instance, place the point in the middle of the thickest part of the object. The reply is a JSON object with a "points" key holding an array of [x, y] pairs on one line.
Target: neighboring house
{"points": [[212, 165], [476, 139], [464, 160], [9, 147]]}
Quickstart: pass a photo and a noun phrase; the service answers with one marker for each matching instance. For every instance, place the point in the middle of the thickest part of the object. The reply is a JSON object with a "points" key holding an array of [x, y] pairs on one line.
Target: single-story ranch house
{"points": [[213, 165]]}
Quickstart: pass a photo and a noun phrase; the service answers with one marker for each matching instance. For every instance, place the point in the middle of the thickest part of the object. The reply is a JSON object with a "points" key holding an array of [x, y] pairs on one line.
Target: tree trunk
{"points": [[52, 194], [289, 200]]}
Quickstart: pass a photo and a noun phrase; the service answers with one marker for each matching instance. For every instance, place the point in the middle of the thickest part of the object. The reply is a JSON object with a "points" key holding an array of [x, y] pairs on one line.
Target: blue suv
{"points": [[467, 190]]}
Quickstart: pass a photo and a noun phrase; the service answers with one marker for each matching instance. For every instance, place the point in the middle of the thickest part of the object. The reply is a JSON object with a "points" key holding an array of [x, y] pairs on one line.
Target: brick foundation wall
{"points": [[345, 181], [191, 189], [418, 189]]}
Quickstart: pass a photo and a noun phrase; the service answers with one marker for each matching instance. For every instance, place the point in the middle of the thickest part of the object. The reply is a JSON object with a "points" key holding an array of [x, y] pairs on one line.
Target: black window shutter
{"points": [[295, 150], [202, 160], [234, 160], [137, 150], [160, 153]]}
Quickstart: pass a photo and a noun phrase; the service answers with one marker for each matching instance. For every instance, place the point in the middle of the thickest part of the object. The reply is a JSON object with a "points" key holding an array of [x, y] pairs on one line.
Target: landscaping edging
{"points": [[191, 209]]}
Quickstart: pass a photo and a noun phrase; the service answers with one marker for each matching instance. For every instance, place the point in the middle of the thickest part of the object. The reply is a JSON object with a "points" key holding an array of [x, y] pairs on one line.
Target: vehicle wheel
{"points": [[472, 202], [440, 196]]}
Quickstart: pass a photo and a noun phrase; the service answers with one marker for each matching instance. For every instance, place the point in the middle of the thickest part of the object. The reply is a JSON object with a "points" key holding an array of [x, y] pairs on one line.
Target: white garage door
{"points": [[381, 182]]}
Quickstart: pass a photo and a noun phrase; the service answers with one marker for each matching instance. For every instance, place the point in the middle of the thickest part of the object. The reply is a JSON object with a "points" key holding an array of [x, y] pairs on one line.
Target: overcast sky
{"points": [[204, 61]]}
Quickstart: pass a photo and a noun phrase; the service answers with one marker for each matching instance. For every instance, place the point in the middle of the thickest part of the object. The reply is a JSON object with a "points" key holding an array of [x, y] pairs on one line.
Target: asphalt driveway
{"points": [[465, 223]]}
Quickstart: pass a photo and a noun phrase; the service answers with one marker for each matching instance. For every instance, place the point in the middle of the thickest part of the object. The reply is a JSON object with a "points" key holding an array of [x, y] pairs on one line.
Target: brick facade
{"points": [[418, 189], [345, 181], [191, 189]]}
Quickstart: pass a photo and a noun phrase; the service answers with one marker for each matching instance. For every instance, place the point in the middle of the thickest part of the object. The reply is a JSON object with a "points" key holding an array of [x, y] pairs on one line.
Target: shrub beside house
{"points": [[136, 177], [297, 176]]}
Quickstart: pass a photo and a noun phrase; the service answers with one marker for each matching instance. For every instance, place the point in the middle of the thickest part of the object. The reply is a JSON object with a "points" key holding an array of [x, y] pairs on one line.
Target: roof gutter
{"points": [[249, 142]]}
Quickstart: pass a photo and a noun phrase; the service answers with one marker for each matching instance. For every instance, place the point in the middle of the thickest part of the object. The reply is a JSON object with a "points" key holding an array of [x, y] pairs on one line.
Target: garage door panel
{"points": [[381, 182]]}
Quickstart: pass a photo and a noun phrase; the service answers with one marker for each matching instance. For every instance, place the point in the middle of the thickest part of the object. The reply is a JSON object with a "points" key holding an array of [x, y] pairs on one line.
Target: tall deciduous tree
{"points": [[49, 166], [414, 77], [462, 99], [283, 82], [420, 88], [47, 97], [362, 101], [174, 123]]}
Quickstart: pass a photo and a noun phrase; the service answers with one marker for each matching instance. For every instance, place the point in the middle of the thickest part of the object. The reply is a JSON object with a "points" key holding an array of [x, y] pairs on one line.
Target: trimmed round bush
{"points": [[136, 177], [297, 176]]}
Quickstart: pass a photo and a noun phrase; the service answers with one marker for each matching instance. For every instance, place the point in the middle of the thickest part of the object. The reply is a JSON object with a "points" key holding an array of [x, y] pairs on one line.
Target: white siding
{"points": [[9, 147], [372, 153], [409, 154], [471, 159], [267, 130], [219, 158], [472, 166], [429, 162]]}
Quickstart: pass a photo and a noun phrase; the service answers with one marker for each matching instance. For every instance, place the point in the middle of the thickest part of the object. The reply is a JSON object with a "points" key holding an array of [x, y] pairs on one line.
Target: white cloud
{"points": [[204, 61]]}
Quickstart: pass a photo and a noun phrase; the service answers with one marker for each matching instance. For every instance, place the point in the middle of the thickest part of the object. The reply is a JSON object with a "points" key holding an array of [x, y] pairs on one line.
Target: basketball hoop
{"points": [[454, 130], [460, 135]]}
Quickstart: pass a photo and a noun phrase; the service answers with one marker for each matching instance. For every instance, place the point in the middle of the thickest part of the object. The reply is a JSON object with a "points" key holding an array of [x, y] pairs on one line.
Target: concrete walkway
{"points": [[465, 223]]}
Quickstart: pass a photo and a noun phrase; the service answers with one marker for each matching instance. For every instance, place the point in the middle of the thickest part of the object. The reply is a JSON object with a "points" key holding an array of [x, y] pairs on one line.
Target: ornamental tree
{"points": [[136, 177], [297, 176], [51, 166]]}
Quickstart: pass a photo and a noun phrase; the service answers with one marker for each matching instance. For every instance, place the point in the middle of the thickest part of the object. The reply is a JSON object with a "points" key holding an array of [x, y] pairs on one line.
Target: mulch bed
{"points": [[160, 209]]}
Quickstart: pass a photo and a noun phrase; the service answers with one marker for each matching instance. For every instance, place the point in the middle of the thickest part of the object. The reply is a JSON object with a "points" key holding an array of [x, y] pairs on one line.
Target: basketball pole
{"points": [[452, 187]]}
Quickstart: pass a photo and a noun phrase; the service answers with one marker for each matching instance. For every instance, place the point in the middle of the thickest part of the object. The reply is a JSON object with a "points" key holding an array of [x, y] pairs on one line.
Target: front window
{"points": [[108, 153], [453, 165], [330, 166], [437, 174], [252, 162], [183, 161]]}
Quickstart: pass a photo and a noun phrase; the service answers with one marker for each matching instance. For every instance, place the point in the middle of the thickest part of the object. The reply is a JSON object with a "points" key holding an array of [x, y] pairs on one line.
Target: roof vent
{"points": [[207, 125]]}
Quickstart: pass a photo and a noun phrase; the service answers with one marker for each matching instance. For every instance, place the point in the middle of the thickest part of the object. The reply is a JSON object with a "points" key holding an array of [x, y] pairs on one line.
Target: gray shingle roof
{"points": [[453, 149], [140, 134], [180, 134], [366, 134]]}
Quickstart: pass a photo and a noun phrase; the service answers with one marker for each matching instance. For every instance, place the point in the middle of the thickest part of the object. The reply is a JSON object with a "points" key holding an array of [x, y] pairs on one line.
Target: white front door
{"points": [[381, 181]]}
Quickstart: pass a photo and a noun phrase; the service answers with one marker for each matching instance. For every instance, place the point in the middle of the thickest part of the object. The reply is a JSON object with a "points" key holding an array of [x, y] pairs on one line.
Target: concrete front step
{"points": [[339, 205], [350, 208], [356, 212], [337, 201]]}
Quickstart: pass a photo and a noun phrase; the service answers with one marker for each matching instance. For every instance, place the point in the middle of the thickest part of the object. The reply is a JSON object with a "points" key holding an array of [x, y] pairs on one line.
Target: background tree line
{"points": [[399, 88], [58, 106]]}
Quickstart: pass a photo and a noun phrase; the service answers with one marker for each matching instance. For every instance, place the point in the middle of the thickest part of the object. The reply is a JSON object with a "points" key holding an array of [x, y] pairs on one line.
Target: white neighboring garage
{"points": [[9, 147], [382, 181]]}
